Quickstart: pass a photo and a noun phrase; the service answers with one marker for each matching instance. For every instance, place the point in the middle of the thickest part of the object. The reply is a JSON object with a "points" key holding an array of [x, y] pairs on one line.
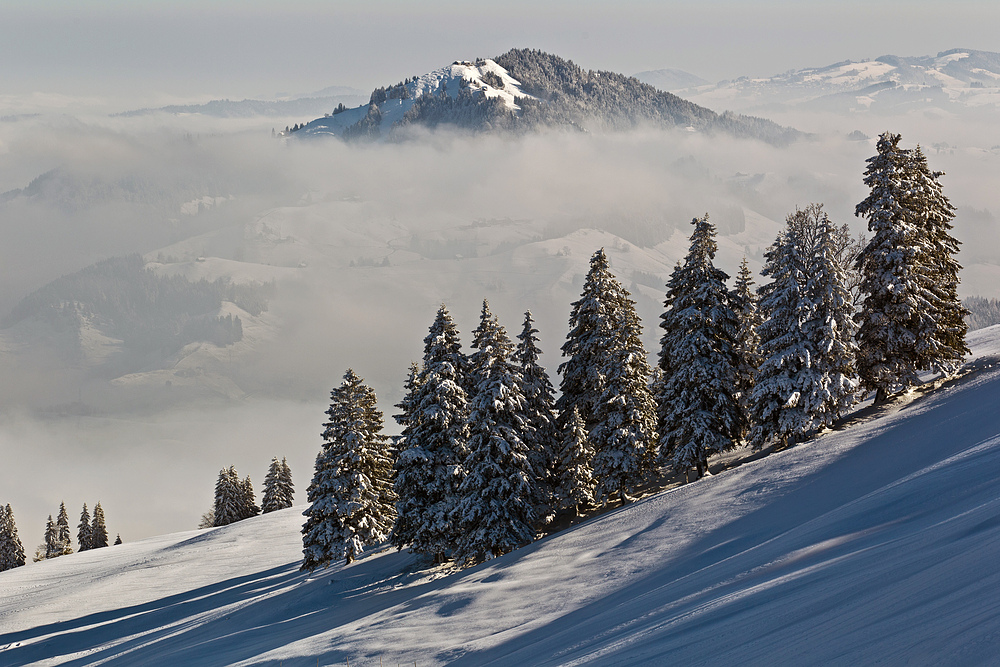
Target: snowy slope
{"points": [[873, 543], [955, 79], [446, 80]]}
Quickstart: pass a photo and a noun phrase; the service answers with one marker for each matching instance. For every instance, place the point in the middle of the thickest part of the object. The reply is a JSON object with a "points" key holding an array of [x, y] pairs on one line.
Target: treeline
{"points": [[147, 311], [235, 500], [488, 455], [983, 312]]}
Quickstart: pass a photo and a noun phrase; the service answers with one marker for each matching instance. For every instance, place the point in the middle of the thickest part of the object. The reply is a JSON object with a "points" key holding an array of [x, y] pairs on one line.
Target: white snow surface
{"points": [[450, 78], [873, 543]]}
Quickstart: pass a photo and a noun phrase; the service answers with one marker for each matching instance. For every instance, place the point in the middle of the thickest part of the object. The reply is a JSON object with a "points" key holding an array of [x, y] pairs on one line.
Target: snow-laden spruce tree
{"points": [[50, 547], [118, 539], [83, 529], [228, 497], [278, 489], [898, 305], [943, 337], [428, 471], [64, 537], [624, 433], [350, 496], [698, 406], [781, 398], [574, 472], [542, 436], [593, 321], [98, 530], [497, 502], [747, 308], [829, 327], [11, 549], [248, 500]]}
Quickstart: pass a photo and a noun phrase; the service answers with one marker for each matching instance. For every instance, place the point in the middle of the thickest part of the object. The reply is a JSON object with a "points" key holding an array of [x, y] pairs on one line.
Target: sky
{"points": [[161, 51]]}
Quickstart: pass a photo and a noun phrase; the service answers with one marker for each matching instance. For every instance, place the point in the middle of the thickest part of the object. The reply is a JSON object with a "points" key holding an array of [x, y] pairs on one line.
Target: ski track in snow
{"points": [[874, 544]]}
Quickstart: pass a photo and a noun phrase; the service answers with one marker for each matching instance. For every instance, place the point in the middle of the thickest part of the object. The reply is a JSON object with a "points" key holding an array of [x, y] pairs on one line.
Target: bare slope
{"points": [[872, 543]]}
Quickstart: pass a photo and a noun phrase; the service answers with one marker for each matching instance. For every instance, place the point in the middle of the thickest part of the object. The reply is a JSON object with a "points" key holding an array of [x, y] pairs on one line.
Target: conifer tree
{"points": [[624, 435], [248, 500], [539, 407], [118, 539], [50, 548], [351, 500], [278, 488], [893, 319], [428, 470], [83, 529], [11, 549], [830, 329], [98, 531], [64, 537], [498, 499], [593, 322], [699, 412], [747, 308], [780, 401], [943, 335], [574, 474], [228, 497]]}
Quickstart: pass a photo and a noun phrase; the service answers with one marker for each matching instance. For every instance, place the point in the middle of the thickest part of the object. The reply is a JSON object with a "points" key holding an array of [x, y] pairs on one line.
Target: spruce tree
{"points": [[118, 539], [780, 400], [83, 529], [428, 470], [247, 500], [747, 308], [539, 409], [830, 329], [277, 487], [699, 411], [624, 435], [574, 471], [943, 336], [498, 499], [51, 547], [98, 531], [897, 305], [351, 500], [64, 537], [11, 549], [593, 322], [228, 497]]}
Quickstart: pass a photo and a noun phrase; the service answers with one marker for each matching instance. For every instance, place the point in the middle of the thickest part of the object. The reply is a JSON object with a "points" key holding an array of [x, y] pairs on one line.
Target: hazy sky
{"points": [[158, 49]]}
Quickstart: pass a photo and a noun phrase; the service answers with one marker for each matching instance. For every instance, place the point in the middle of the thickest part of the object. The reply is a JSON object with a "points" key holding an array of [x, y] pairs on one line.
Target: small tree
{"points": [[118, 539], [228, 497], [11, 549], [574, 474], [248, 500], [539, 410], [63, 535], [278, 489], [98, 531], [83, 529], [351, 500]]}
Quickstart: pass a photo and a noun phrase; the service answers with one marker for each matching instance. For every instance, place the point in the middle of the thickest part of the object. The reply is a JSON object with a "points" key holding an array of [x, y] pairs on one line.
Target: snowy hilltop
{"points": [[867, 543], [523, 90], [957, 80]]}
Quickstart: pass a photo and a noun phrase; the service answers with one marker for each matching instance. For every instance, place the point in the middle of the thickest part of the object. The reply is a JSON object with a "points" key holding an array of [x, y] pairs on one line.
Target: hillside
{"points": [[523, 90], [871, 543], [958, 80]]}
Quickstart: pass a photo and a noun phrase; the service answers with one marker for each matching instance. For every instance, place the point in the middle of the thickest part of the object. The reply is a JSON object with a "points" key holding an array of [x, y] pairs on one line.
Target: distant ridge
{"points": [[524, 90], [670, 79]]}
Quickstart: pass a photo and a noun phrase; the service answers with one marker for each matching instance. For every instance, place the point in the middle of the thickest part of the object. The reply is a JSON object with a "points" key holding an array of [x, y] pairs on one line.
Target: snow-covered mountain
{"points": [[873, 543], [957, 80], [526, 89]]}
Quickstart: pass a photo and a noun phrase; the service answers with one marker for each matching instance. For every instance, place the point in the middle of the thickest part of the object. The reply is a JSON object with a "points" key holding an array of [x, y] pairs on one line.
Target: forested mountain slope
{"points": [[871, 543]]}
